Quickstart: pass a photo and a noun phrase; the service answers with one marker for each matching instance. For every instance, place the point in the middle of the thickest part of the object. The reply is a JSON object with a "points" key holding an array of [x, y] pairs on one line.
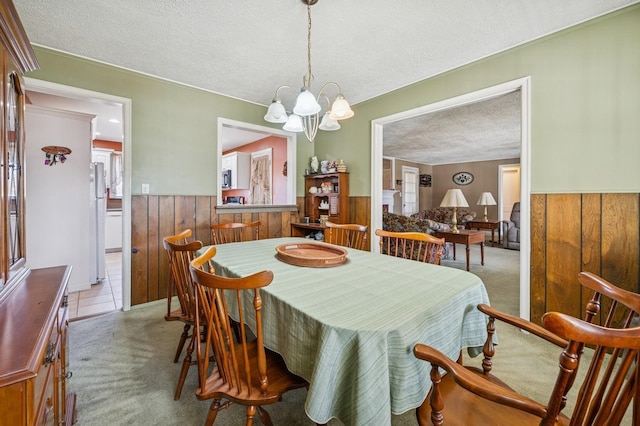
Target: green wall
{"points": [[585, 107], [174, 127], [585, 112]]}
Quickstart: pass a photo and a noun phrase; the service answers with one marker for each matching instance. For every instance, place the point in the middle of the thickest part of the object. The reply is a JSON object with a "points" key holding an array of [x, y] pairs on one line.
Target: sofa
{"points": [[399, 223], [445, 215]]}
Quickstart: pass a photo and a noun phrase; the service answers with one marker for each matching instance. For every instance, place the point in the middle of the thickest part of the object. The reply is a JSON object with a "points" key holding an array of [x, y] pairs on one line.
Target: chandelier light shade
{"points": [[276, 112], [306, 112], [454, 198], [294, 124], [486, 199], [328, 123]]}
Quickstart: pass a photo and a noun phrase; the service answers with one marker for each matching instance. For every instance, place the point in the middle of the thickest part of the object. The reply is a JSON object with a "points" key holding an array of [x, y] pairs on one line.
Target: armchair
{"points": [[511, 229], [470, 395]]}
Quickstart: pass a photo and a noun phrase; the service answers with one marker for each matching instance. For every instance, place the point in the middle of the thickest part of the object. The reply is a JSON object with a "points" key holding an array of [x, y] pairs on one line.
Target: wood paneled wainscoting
{"points": [[570, 233], [155, 216]]}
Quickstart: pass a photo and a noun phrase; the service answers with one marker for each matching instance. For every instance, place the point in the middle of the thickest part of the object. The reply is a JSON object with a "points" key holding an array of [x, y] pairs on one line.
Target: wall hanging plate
{"points": [[463, 178]]}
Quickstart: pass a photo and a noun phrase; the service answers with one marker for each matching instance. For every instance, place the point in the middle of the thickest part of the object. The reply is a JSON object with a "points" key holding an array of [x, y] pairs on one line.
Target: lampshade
{"points": [[328, 123], [294, 124], [454, 198], [306, 104], [340, 110], [486, 199], [276, 112]]}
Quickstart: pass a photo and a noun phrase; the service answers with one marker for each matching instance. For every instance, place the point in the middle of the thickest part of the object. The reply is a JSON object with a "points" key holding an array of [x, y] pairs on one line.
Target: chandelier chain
{"points": [[309, 76]]}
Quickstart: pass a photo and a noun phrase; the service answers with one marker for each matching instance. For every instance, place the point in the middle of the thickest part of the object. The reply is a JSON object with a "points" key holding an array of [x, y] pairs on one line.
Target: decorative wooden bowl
{"points": [[313, 255]]}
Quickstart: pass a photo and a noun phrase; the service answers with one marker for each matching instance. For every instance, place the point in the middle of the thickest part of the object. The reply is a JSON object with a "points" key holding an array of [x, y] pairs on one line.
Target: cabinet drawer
{"points": [[46, 413], [43, 389]]}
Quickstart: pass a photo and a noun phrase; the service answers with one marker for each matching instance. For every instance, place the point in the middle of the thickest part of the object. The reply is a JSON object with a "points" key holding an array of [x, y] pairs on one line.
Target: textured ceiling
{"points": [[247, 48], [486, 130]]}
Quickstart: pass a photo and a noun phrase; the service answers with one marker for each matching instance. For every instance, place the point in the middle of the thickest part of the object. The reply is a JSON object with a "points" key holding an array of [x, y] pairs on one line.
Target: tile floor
{"points": [[103, 297]]}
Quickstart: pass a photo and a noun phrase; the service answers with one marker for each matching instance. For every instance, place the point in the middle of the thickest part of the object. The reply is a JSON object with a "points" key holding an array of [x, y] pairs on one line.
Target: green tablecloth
{"points": [[350, 330]]}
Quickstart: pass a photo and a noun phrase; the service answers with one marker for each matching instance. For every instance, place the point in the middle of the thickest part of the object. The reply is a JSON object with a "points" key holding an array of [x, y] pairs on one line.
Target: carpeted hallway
{"points": [[123, 371]]}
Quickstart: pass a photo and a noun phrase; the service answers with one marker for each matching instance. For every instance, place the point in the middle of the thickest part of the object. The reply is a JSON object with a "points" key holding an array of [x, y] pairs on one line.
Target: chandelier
{"points": [[306, 112]]}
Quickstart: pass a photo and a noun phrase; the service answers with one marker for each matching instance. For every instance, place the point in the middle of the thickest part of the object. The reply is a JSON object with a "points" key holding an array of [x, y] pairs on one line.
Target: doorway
{"points": [[508, 189], [377, 140], [71, 92], [410, 201]]}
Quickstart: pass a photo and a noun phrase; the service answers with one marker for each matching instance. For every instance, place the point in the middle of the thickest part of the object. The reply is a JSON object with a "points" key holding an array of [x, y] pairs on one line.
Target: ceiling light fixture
{"points": [[306, 112]]}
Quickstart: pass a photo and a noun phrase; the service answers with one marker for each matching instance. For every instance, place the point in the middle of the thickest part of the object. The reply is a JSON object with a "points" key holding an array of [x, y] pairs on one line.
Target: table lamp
{"points": [[454, 198], [486, 199]]}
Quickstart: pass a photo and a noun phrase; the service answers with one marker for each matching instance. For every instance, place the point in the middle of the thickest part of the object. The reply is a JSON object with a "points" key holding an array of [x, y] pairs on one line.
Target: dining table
{"points": [[350, 329]]}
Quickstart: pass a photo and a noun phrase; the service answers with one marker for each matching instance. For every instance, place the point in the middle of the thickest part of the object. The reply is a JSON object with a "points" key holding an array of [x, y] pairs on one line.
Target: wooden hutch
{"points": [[326, 195], [33, 303]]}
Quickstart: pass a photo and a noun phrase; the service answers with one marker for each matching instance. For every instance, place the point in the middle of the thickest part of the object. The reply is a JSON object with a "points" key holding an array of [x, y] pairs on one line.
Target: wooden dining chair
{"points": [[347, 235], [411, 245], [245, 372], [474, 396], [180, 252], [234, 232]]}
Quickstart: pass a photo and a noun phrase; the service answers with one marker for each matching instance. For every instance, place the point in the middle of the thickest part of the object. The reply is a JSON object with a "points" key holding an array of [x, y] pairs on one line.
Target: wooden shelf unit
{"points": [[337, 200]]}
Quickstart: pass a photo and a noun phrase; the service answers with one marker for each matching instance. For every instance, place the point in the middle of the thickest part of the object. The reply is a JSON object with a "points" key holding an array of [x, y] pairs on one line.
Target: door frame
{"points": [[377, 140], [78, 93]]}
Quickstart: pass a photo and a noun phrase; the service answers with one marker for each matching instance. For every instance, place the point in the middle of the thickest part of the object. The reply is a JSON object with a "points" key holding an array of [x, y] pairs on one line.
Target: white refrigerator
{"points": [[97, 215]]}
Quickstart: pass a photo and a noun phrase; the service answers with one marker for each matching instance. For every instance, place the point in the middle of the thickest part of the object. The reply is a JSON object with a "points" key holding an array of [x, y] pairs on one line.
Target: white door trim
{"points": [[75, 92], [522, 84]]}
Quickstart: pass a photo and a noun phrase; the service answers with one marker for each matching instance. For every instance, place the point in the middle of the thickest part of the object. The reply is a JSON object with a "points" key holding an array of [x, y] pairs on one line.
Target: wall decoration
{"points": [[53, 154], [425, 180], [463, 178]]}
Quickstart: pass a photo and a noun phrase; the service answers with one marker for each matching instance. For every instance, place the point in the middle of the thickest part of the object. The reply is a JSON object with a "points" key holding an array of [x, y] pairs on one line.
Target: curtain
{"points": [[260, 186], [115, 190]]}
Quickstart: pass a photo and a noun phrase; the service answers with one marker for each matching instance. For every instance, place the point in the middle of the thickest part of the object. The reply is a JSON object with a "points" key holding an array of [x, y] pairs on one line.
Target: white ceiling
{"points": [[247, 48], [108, 125]]}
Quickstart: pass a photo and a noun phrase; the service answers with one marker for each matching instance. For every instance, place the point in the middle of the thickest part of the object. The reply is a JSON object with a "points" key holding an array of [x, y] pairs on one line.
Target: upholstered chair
{"points": [[511, 229]]}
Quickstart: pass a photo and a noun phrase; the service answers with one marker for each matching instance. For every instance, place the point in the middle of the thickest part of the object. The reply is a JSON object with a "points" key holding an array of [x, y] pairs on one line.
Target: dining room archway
{"points": [[377, 142]]}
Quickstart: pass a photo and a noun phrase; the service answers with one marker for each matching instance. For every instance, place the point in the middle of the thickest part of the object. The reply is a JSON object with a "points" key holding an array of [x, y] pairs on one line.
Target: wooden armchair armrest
{"points": [[473, 382], [532, 328]]}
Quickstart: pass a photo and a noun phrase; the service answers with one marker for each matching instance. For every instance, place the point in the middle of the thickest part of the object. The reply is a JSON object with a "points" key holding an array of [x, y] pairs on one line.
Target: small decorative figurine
{"points": [[341, 166], [314, 164], [324, 166]]}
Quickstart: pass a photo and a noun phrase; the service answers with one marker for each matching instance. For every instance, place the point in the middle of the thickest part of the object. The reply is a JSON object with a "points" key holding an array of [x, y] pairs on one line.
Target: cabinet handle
{"points": [[68, 375], [50, 355], [134, 250], [65, 301]]}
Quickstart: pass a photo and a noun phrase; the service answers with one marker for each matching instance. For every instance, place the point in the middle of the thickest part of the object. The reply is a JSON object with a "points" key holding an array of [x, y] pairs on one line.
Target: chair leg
{"points": [[183, 339], [213, 412], [186, 363], [264, 416]]}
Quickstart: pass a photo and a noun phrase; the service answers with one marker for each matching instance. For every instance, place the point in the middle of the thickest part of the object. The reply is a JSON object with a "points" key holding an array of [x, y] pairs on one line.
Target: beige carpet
{"points": [[123, 371]]}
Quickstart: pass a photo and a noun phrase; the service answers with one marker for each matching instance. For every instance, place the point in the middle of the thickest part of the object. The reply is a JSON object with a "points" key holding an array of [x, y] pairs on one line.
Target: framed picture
{"points": [[425, 180]]}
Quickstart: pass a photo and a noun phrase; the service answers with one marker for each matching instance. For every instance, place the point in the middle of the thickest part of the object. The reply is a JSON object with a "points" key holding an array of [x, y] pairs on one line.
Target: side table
{"points": [[466, 237], [490, 224]]}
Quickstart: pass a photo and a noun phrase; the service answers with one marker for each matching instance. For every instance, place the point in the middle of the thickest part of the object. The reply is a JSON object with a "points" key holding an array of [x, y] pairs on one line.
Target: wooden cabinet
{"points": [[240, 165], [33, 304], [33, 366], [331, 197]]}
